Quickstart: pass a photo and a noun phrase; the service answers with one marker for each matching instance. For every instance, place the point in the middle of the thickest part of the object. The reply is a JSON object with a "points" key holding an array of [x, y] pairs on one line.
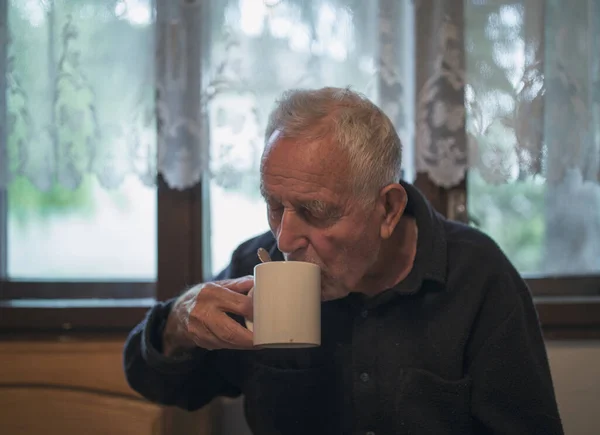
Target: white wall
{"points": [[575, 369]]}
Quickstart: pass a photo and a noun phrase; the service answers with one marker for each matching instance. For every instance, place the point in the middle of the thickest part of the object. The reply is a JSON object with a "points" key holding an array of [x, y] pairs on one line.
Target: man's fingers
{"points": [[238, 285], [234, 335], [238, 304], [232, 302], [250, 314], [212, 327], [221, 332]]}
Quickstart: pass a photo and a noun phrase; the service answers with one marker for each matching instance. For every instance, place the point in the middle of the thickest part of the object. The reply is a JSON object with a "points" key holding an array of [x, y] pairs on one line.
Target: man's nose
{"points": [[291, 235]]}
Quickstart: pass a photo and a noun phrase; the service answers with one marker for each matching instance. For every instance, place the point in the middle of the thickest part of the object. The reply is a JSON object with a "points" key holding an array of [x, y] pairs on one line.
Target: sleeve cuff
{"points": [[152, 343]]}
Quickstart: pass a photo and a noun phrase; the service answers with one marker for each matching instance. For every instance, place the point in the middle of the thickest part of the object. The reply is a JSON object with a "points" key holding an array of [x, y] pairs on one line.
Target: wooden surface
{"points": [[28, 410], [77, 386], [90, 365]]}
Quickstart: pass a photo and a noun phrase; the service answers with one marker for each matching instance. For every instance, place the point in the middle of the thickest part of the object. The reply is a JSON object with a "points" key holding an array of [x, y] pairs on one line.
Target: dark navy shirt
{"points": [[455, 348]]}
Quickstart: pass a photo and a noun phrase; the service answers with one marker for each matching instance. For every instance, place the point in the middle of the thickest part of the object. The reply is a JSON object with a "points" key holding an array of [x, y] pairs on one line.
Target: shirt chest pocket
{"points": [[428, 404]]}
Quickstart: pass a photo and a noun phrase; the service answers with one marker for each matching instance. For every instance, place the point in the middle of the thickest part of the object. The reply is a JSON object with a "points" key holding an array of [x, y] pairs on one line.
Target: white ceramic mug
{"points": [[287, 305]]}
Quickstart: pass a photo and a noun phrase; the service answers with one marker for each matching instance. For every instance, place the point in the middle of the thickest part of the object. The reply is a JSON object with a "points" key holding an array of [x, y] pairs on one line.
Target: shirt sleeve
{"points": [[512, 389], [188, 380]]}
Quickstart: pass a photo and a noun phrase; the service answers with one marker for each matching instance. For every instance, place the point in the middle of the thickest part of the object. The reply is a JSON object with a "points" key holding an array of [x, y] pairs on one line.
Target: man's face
{"points": [[316, 217]]}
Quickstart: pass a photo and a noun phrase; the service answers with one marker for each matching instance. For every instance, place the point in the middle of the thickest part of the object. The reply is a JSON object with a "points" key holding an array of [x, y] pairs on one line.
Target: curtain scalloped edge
{"points": [[458, 175], [179, 181]]}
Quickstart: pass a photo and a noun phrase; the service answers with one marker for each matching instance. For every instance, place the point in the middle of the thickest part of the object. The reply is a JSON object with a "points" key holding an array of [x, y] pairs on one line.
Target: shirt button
{"points": [[364, 377], [364, 313]]}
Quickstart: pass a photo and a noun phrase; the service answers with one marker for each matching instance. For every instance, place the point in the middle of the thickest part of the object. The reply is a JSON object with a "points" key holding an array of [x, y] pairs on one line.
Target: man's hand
{"points": [[199, 317]]}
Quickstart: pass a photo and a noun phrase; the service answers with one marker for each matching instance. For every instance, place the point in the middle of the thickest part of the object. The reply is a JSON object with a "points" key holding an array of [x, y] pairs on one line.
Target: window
{"points": [[67, 235], [64, 228], [79, 216], [90, 235], [532, 111], [532, 100]]}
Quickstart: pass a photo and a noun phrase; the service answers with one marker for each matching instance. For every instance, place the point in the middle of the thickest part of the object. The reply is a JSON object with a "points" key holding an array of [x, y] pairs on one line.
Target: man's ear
{"points": [[393, 198]]}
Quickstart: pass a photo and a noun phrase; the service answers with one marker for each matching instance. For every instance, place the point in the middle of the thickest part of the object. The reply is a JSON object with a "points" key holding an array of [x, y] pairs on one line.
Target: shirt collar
{"points": [[431, 257]]}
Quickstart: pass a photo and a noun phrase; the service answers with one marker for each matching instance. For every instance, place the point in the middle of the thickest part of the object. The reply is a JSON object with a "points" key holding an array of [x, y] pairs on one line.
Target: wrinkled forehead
{"points": [[315, 162]]}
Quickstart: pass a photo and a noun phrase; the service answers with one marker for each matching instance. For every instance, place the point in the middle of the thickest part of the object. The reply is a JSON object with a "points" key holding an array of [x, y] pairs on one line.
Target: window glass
{"points": [[532, 114], [79, 86]]}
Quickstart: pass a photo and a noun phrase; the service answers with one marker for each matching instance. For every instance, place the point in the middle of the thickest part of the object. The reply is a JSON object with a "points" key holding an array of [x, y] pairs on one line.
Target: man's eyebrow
{"points": [[314, 206], [320, 207]]}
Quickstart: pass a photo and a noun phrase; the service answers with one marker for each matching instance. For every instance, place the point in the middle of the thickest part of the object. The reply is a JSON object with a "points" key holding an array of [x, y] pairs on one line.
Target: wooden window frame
{"points": [[123, 304], [568, 306]]}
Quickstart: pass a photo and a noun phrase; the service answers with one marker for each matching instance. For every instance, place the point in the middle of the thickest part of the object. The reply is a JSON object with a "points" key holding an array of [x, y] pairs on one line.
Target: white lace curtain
{"points": [[117, 87]]}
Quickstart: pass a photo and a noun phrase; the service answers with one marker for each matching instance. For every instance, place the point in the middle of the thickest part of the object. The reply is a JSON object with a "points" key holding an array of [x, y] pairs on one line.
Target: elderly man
{"points": [[426, 326]]}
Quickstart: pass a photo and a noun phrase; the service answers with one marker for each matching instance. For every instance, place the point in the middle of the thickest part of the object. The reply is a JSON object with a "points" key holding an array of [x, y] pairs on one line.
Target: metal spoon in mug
{"points": [[263, 255]]}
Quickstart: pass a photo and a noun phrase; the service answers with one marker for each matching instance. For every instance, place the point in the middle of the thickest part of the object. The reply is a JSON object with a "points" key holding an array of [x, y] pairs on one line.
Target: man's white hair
{"points": [[353, 122]]}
